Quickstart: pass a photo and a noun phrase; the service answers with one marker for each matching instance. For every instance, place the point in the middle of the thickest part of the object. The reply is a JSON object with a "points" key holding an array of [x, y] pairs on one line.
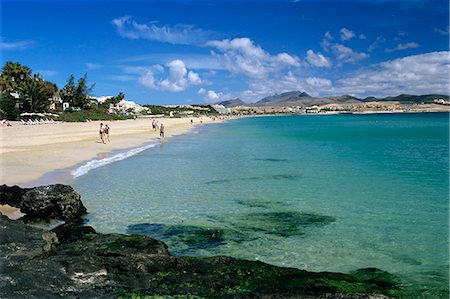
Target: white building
{"points": [[221, 109]]}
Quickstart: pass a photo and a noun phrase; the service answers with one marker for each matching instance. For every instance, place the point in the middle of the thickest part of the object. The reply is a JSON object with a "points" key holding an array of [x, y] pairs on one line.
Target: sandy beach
{"points": [[28, 152]]}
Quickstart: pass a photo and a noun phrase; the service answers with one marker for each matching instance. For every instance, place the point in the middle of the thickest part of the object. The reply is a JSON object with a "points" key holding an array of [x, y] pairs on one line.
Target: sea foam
{"points": [[92, 164]]}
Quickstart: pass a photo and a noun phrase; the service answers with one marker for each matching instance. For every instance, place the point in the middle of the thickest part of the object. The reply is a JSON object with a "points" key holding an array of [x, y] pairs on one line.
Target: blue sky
{"points": [[181, 52]]}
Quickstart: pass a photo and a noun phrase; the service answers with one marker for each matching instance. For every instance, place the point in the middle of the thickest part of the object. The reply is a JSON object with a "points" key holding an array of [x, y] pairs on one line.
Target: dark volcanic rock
{"points": [[72, 232], [11, 195], [45, 202]]}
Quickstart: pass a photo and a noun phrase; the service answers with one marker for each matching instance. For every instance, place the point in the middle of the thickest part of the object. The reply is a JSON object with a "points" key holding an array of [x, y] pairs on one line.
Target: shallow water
{"points": [[322, 193]]}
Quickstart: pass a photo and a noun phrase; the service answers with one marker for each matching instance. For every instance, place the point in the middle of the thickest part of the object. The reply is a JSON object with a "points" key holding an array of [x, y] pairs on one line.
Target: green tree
{"points": [[81, 96], [13, 74], [8, 107], [77, 95], [113, 100], [68, 91], [34, 96]]}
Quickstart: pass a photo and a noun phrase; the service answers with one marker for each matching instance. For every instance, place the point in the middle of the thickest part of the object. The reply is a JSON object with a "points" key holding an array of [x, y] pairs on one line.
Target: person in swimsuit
{"points": [[161, 131], [101, 133], [106, 132]]}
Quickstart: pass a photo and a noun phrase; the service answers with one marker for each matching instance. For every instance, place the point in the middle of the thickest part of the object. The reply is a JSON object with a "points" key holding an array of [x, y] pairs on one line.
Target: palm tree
{"points": [[34, 96]]}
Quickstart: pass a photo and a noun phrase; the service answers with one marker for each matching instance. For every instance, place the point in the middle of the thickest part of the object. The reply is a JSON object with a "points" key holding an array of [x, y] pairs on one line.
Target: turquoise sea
{"points": [[321, 193]]}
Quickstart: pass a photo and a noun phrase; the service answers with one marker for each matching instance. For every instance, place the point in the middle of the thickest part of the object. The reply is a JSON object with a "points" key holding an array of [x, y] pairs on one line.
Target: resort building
{"points": [[221, 109]]}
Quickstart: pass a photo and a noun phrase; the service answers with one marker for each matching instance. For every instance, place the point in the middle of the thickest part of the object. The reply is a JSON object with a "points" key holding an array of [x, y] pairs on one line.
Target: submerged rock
{"points": [[44, 203], [184, 238]]}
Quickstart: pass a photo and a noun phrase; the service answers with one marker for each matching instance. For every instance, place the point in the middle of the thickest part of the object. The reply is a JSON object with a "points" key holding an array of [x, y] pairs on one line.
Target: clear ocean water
{"points": [[321, 193]]}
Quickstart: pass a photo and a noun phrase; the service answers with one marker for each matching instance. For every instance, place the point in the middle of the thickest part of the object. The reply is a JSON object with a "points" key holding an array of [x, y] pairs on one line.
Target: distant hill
{"points": [[297, 98], [276, 100], [232, 103], [407, 98]]}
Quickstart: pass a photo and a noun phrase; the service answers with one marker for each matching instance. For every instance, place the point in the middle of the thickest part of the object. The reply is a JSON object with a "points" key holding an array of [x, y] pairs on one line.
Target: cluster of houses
{"points": [[441, 102], [123, 107]]}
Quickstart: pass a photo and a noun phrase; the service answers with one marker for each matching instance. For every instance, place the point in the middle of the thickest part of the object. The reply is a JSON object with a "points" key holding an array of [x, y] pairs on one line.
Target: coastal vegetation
{"points": [[22, 91], [180, 111]]}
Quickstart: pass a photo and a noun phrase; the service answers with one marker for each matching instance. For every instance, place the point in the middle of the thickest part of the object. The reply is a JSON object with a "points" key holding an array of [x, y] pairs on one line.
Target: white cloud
{"points": [[243, 56], [346, 34], [178, 79], [179, 34], [444, 31], [122, 78], [93, 66], [260, 88], [377, 43], [417, 74], [148, 80], [326, 41], [399, 47], [18, 45], [362, 36], [317, 59], [318, 82], [346, 54], [212, 96], [47, 73], [194, 78]]}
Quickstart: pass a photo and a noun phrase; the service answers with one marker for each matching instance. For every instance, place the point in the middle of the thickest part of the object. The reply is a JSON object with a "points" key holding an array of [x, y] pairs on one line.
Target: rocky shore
{"points": [[73, 261]]}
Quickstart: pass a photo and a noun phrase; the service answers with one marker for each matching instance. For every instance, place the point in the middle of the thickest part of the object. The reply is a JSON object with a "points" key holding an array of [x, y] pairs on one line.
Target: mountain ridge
{"points": [[301, 98]]}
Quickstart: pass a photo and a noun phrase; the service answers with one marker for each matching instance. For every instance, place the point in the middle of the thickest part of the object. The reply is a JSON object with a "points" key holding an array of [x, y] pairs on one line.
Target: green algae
{"points": [[282, 224], [179, 236], [240, 278]]}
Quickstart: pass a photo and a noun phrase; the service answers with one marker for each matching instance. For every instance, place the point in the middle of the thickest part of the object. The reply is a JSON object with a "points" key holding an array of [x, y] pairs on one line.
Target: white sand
{"points": [[27, 152]]}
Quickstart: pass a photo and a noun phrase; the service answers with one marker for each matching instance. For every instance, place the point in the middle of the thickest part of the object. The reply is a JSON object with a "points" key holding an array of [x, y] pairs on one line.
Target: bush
{"points": [[8, 107], [85, 115]]}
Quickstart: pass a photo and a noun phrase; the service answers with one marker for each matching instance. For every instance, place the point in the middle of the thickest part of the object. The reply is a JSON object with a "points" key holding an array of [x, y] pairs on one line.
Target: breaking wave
{"points": [[92, 164]]}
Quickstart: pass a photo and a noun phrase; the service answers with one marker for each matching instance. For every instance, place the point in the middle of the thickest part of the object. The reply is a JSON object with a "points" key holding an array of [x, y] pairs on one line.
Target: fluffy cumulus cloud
{"points": [[346, 54], [243, 56], [211, 96], [346, 34], [417, 74], [343, 53], [182, 34], [399, 47], [178, 79], [257, 89], [317, 59]]}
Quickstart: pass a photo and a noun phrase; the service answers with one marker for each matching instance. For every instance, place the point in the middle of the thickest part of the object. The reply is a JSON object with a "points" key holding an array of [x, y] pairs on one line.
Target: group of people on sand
{"points": [[104, 133], [5, 123], [156, 125]]}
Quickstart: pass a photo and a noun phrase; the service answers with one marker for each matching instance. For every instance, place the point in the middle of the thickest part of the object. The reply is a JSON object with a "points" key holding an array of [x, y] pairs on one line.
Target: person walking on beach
{"points": [[101, 133], [106, 132], [161, 131]]}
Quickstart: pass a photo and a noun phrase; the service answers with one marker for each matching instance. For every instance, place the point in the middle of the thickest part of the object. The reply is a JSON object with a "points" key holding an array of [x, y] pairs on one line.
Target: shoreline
{"points": [[46, 154]]}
